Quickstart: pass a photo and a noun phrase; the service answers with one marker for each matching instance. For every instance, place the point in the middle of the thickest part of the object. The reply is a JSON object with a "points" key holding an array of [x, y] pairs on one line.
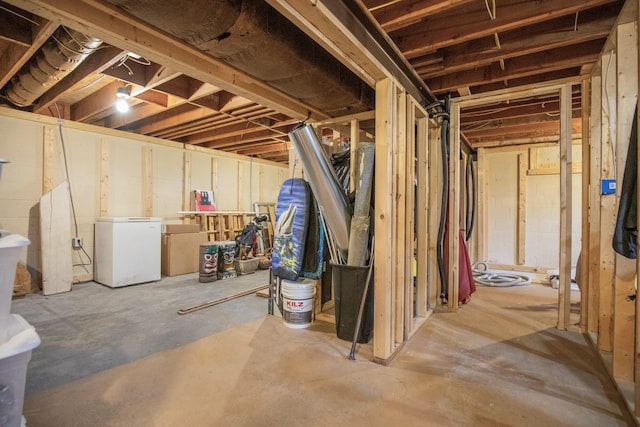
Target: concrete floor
{"points": [[94, 327], [499, 361]]}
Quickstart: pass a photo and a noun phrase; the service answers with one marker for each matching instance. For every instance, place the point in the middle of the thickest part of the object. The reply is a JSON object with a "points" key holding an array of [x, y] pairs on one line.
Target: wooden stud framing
{"points": [[260, 183], [584, 244], [607, 203], [454, 207], [147, 181], [564, 293], [625, 269], [353, 160], [48, 159], [240, 192], [434, 197], [384, 345], [104, 177], [409, 213], [483, 203], [186, 181], [422, 216], [400, 214], [595, 149], [522, 209], [214, 175]]}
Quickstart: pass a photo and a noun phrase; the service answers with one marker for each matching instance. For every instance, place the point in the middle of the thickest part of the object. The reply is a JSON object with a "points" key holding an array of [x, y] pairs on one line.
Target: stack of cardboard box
{"points": [[180, 248]]}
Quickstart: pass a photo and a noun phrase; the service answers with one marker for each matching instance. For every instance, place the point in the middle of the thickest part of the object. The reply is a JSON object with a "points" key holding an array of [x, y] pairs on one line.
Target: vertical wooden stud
{"points": [[48, 159], [104, 177], [454, 207], [521, 237], [422, 216], [147, 181], [240, 180], [607, 202], [383, 345], [399, 213], [186, 181], [584, 244], [483, 204], [564, 293], [625, 269], [353, 146], [214, 176], [434, 206], [595, 149], [261, 196]]}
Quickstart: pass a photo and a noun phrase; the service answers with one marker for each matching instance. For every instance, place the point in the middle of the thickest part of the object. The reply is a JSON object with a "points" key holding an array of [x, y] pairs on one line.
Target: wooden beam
{"points": [[99, 101], [95, 63], [515, 68], [353, 146], [472, 23], [16, 56], [394, 18], [117, 28]]}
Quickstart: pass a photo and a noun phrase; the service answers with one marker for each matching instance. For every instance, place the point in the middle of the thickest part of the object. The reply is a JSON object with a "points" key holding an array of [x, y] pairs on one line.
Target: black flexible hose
{"points": [[471, 192], [444, 145]]}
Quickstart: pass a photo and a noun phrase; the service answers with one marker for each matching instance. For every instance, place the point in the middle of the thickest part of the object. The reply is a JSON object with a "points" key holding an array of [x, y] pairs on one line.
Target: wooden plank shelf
{"points": [[220, 225]]}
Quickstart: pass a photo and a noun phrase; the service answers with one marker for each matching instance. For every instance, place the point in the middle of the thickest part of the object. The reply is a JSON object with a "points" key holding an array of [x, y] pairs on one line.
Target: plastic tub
{"points": [[10, 247], [14, 358]]}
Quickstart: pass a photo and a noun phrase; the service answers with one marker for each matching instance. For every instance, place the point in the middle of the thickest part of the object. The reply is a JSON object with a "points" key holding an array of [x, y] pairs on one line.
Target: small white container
{"points": [[297, 303], [14, 358]]}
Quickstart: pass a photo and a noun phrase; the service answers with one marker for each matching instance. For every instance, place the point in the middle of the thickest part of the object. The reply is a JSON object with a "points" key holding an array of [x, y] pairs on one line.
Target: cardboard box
{"points": [[180, 253], [180, 228]]}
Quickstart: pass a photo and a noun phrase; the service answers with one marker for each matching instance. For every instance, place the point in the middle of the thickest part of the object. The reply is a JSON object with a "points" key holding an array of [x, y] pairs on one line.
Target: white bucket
{"points": [[297, 303], [10, 248]]}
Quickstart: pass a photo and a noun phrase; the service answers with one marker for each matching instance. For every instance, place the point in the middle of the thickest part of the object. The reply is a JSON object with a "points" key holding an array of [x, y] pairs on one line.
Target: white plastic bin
{"points": [[14, 358], [10, 247]]}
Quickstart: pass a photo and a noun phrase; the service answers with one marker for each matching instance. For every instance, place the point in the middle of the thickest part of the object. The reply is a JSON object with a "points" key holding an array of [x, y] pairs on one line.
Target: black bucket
{"points": [[348, 286]]}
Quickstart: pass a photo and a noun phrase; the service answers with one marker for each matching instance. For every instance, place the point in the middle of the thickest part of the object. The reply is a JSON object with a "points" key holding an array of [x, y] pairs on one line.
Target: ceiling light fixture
{"points": [[121, 104]]}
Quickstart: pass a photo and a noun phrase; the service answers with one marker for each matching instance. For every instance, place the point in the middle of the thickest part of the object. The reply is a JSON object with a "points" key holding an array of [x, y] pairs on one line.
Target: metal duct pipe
{"points": [[324, 184], [59, 56]]}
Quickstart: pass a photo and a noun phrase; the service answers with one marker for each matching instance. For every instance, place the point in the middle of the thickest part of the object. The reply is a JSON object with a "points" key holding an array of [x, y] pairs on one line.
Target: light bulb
{"points": [[122, 105]]}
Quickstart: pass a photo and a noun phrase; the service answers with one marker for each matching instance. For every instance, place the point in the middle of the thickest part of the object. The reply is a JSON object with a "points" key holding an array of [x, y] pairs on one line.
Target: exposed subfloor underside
{"points": [[499, 361]]}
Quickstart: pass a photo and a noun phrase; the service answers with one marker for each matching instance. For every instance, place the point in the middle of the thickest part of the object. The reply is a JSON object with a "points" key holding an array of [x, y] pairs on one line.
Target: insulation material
{"points": [[502, 176], [253, 37]]}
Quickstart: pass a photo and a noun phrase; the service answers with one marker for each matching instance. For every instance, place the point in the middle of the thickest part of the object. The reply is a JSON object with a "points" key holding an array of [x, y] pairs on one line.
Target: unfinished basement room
{"points": [[319, 213]]}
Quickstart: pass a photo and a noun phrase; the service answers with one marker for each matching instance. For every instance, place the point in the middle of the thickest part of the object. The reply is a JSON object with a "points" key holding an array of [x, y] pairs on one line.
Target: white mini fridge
{"points": [[127, 250]]}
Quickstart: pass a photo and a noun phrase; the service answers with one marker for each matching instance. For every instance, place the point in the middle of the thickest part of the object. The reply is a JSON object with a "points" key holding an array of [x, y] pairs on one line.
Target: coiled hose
{"points": [[484, 276]]}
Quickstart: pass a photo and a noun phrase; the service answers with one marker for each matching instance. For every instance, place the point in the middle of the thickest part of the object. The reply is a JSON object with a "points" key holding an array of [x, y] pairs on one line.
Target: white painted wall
{"points": [[21, 141], [542, 210]]}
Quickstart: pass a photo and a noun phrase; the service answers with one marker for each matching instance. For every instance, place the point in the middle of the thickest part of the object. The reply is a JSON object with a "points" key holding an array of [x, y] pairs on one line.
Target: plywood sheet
{"points": [[55, 240]]}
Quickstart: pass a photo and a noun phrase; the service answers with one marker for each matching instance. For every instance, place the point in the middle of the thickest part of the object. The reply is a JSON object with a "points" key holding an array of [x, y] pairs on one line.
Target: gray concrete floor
{"points": [[499, 361], [94, 327]]}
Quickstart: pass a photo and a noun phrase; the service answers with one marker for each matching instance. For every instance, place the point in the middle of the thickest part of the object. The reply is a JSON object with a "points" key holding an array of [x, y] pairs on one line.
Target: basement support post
{"points": [[454, 206], [584, 244], [595, 164], [564, 293]]}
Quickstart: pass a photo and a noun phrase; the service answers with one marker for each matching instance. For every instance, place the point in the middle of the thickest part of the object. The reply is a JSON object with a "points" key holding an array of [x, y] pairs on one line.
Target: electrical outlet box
{"points": [[76, 243], [608, 186]]}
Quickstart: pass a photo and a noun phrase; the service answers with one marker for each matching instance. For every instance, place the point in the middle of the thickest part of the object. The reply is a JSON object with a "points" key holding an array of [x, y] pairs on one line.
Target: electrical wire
{"points": [[66, 171]]}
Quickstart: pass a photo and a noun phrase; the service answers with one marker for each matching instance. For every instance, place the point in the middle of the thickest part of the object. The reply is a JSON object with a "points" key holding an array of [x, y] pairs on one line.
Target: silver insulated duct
{"points": [[324, 184], [60, 55]]}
